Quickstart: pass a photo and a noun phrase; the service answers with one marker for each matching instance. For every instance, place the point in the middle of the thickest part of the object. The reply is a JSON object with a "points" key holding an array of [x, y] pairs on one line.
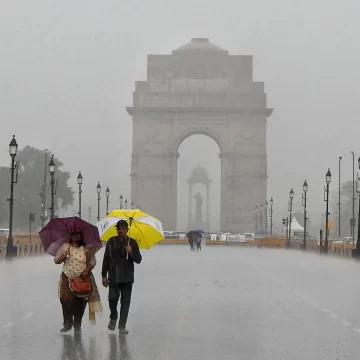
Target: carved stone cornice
{"points": [[151, 176], [245, 175], [155, 156], [133, 111], [229, 155]]}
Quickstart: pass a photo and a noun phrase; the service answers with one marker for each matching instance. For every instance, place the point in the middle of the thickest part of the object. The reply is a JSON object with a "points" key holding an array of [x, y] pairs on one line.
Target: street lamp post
{"points": [[326, 195], [13, 147], [53, 188], [290, 211], [121, 201], [261, 217], [80, 181], [357, 250], [339, 224], [304, 201], [256, 219], [107, 192], [287, 228], [266, 216], [353, 200], [271, 215], [285, 222], [126, 204], [31, 220], [43, 194], [98, 190]]}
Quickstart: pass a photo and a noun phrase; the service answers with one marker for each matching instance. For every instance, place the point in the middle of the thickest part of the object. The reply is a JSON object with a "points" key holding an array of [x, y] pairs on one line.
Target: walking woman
{"points": [[77, 285]]}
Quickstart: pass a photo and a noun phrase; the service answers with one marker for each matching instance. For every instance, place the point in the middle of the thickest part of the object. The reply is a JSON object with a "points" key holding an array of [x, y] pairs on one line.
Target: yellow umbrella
{"points": [[144, 228]]}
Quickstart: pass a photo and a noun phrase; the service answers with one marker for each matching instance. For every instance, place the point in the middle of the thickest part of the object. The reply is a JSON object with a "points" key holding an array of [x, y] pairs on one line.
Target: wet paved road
{"points": [[223, 303]]}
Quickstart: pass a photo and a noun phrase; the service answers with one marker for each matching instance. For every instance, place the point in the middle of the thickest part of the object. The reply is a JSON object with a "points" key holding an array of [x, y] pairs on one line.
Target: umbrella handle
{"points": [[128, 242]]}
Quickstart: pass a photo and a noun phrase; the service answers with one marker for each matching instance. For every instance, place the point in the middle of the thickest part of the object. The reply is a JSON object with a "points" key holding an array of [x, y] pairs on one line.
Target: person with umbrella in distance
{"points": [[191, 238], [121, 253]]}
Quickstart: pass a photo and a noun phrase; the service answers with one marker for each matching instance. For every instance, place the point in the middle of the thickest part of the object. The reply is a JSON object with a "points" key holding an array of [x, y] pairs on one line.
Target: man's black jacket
{"points": [[117, 264]]}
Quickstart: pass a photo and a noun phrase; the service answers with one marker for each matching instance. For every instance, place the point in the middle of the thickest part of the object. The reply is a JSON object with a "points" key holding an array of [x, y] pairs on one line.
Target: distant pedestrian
{"points": [[198, 241], [191, 238], [121, 253]]}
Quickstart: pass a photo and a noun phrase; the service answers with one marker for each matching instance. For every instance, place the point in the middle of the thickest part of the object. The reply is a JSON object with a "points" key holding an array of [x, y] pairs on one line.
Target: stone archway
{"points": [[200, 89]]}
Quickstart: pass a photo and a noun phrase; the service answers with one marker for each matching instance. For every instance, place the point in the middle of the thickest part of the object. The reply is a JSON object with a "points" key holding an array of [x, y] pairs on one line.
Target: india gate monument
{"points": [[200, 89]]}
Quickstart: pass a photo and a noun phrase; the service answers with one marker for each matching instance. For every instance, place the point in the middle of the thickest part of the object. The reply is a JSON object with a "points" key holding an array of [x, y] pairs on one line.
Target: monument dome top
{"points": [[200, 44], [199, 174]]}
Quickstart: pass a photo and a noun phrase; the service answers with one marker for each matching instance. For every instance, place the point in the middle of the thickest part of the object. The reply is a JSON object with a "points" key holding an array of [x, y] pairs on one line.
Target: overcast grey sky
{"points": [[68, 70]]}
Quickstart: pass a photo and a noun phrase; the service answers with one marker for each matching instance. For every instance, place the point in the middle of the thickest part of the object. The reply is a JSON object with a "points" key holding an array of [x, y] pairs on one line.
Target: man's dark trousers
{"points": [[123, 292]]}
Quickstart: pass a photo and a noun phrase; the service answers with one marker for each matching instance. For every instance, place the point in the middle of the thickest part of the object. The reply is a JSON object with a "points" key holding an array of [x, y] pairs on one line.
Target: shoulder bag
{"points": [[82, 287]]}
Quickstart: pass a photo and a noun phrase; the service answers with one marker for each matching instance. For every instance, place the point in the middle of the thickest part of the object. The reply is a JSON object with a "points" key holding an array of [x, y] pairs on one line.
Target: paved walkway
{"points": [[222, 303]]}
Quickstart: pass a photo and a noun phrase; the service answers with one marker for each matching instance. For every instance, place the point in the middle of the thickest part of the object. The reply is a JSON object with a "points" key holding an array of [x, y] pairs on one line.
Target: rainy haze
{"points": [[73, 76]]}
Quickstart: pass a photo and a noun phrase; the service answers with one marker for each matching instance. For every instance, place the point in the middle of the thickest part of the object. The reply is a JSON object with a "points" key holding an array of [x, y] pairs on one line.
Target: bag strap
{"points": [[69, 249], [87, 254]]}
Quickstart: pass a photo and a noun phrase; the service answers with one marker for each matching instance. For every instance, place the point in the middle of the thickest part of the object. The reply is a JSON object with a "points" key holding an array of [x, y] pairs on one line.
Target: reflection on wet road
{"points": [[222, 303], [74, 348]]}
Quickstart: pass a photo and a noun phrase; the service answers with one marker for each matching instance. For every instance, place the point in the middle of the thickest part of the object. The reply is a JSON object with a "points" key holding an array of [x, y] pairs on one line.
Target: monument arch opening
{"points": [[200, 89], [198, 184]]}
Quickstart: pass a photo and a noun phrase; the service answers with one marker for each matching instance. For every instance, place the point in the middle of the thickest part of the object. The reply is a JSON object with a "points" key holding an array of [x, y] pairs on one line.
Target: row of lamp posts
{"points": [[124, 204], [325, 248], [288, 220], [98, 191], [13, 149], [266, 207], [352, 220]]}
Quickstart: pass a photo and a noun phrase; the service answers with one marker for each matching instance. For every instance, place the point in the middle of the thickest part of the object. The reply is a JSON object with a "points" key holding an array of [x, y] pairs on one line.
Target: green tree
{"points": [[27, 193], [4, 194]]}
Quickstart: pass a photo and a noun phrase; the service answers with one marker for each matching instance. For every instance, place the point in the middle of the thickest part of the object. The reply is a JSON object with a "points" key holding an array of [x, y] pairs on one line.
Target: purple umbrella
{"points": [[57, 232]]}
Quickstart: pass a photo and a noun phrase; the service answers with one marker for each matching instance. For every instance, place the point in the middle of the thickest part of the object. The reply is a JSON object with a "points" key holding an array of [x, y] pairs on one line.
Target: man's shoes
{"points": [[123, 330], [77, 329], [66, 328], [112, 325]]}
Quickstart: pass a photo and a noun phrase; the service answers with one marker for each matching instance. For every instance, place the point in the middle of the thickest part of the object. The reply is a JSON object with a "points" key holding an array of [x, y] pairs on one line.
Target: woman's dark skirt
{"points": [[73, 307]]}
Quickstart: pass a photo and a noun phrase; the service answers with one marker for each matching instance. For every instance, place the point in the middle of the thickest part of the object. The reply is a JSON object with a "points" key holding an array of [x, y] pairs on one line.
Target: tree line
{"points": [[28, 190]]}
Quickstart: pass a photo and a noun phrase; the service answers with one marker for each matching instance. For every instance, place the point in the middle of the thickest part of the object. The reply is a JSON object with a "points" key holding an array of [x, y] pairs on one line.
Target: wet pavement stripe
{"points": [[309, 301], [346, 323], [53, 303], [9, 324], [27, 315], [306, 299], [169, 351]]}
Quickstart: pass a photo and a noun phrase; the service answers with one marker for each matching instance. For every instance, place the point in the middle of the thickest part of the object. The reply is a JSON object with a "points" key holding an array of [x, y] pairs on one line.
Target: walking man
{"points": [[121, 253]]}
